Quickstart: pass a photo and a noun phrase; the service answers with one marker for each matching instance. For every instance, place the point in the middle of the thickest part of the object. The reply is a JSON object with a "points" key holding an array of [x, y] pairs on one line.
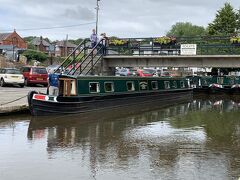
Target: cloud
{"points": [[82, 13], [124, 18]]}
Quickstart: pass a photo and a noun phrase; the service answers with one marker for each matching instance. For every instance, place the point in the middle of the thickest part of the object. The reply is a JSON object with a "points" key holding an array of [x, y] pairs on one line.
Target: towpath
{"points": [[14, 99]]}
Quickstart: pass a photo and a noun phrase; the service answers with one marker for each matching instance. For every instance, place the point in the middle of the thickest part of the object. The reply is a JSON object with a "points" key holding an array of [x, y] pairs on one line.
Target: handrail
{"points": [[89, 54], [93, 64], [67, 58], [100, 57], [76, 62]]}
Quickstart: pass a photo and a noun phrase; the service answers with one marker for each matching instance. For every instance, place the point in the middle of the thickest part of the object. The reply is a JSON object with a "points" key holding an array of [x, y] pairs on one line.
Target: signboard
{"points": [[188, 49], [143, 85]]}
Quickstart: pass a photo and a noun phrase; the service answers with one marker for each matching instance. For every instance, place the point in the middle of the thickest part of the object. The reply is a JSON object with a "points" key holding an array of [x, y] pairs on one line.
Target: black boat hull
{"points": [[218, 90], [44, 108], [235, 91]]}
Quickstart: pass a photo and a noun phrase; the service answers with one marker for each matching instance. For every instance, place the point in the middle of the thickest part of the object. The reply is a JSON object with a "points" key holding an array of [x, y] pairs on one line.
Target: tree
{"points": [[31, 46], [76, 42], [181, 29], [29, 38], [35, 55], [238, 22], [225, 21]]}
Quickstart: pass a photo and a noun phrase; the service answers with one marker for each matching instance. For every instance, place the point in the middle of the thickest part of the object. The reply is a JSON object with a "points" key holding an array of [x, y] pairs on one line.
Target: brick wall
{"points": [[16, 40]]}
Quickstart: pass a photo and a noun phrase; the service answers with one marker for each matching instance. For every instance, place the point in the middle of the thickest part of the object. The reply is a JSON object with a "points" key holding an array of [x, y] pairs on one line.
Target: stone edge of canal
{"points": [[5, 111]]}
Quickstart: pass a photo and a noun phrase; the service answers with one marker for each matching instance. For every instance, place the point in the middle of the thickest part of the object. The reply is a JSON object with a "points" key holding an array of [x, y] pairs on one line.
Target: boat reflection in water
{"points": [[197, 140]]}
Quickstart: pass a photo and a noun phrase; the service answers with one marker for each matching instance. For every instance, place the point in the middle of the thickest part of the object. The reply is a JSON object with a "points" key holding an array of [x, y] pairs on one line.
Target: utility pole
{"points": [[66, 47], [97, 10]]}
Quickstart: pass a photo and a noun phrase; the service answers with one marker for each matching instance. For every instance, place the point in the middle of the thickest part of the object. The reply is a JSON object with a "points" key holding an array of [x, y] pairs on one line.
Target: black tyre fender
{"points": [[29, 98]]}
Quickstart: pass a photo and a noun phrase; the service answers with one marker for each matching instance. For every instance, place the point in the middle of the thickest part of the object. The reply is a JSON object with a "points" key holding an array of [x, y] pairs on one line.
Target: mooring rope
{"points": [[13, 100]]}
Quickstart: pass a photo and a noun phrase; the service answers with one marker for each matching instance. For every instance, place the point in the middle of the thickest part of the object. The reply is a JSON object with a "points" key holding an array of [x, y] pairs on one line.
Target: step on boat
{"points": [[83, 94]]}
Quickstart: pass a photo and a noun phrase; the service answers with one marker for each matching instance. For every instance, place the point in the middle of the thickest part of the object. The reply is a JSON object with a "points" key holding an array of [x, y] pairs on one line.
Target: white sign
{"points": [[188, 49]]}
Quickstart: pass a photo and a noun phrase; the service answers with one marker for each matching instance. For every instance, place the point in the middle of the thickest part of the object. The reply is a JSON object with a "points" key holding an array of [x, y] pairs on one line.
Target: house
{"points": [[12, 39], [11, 44], [64, 48], [42, 45]]}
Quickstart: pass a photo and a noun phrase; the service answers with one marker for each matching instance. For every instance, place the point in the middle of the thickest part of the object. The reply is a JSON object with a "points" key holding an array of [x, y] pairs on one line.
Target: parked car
{"points": [[11, 76], [52, 68], [154, 72], [126, 72], [144, 73], [35, 75]]}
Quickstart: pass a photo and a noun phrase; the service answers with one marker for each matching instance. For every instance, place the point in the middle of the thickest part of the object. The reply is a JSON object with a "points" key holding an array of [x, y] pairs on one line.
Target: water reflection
{"points": [[197, 140]]}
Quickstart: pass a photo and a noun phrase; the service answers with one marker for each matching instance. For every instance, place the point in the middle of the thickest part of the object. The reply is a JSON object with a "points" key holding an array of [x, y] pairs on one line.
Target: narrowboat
{"points": [[81, 94], [215, 84], [200, 84]]}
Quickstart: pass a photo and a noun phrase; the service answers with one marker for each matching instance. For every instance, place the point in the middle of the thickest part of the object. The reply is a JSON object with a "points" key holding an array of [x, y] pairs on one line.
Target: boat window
{"points": [[220, 80], [182, 84], [109, 87], [130, 86], [94, 87], [67, 87], [231, 81], [154, 85], [174, 84], [166, 84]]}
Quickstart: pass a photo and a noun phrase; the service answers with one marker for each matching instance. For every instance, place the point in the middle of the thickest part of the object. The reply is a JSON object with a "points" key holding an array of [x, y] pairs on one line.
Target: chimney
{"points": [[41, 39]]}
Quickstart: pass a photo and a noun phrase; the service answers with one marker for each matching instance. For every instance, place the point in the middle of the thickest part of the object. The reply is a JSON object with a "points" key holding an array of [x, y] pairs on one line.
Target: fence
{"points": [[206, 45]]}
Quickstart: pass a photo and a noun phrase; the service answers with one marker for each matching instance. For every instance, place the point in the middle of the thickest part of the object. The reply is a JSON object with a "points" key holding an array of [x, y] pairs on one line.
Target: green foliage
{"points": [[117, 42], [181, 29], [76, 42], [238, 21], [235, 40], [162, 40], [31, 46], [35, 55], [29, 38], [225, 21]]}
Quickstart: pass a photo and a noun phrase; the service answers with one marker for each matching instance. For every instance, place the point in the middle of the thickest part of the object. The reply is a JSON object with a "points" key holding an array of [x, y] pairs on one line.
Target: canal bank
{"points": [[13, 100]]}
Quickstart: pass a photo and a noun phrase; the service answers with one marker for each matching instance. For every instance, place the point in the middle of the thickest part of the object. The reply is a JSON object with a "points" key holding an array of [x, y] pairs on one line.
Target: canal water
{"points": [[195, 140]]}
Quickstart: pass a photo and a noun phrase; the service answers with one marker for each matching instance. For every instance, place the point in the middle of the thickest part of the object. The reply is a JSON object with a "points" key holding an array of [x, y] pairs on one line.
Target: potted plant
{"points": [[235, 40], [118, 42], [164, 41]]}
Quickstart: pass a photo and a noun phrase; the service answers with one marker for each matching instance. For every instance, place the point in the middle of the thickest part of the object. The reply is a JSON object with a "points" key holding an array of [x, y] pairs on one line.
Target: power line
{"points": [[56, 27]]}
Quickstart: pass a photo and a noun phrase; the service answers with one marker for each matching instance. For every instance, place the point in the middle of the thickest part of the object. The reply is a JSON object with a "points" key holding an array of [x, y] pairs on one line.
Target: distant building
{"points": [[42, 45], [11, 44], [64, 48], [12, 39]]}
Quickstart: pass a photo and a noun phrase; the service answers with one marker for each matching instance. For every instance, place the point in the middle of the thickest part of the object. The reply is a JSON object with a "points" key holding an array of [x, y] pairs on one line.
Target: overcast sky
{"points": [[122, 18]]}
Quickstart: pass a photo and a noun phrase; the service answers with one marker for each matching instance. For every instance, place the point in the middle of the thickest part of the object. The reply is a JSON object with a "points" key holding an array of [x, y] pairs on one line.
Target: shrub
{"points": [[35, 55], [117, 42], [163, 40], [235, 40]]}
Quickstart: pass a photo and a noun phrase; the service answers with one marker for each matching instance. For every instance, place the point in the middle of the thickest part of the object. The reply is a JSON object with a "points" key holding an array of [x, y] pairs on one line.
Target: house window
{"points": [[94, 87], [154, 85], [130, 86], [109, 87], [166, 84], [182, 84], [174, 84]]}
